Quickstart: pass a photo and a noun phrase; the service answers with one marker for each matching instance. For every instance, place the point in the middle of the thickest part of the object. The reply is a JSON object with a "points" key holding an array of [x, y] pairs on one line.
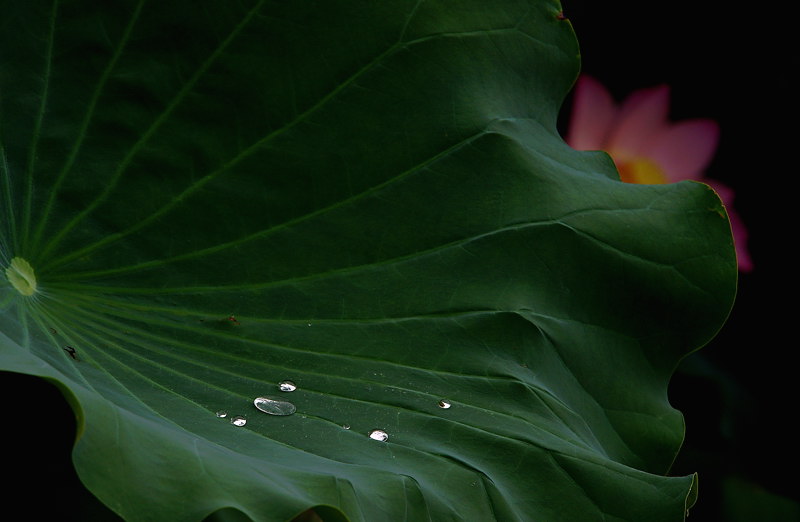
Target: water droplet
{"points": [[287, 386], [346, 426], [222, 413], [274, 406], [238, 420], [444, 404], [379, 435]]}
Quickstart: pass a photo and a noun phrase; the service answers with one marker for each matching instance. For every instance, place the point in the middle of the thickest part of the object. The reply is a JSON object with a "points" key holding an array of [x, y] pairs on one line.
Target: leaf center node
{"points": [[21, 276]]}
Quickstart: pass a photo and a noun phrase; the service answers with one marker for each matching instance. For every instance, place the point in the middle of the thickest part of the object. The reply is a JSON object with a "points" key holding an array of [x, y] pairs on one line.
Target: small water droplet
{"points": [[444, 404], [287, 386], [379, 435], [238, 420], [222, 414], [346, 426], [274, 406]]}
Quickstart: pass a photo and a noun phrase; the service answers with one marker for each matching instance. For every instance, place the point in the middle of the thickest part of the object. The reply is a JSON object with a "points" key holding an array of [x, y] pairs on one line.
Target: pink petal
{"points": [[642, 114], [593, 111], [685, 149], [724, 192]]}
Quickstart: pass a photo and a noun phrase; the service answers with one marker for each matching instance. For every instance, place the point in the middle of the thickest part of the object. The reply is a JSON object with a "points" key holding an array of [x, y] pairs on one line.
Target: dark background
{"points": [[738, 393]]}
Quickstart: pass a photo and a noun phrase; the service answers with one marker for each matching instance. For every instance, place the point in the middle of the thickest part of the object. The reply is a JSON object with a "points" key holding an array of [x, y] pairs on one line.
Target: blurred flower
{"points": [[648, 148]]}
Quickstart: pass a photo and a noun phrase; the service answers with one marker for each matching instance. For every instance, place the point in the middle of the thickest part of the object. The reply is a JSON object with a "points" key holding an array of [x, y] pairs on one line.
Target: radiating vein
{"points": [[247, 152], [76, 147], [638, 258], [32, 152], [46, 320], [145, 137], [89, 319], [75, 291], [242, 155], [83, 307], [382, 263], [74, 336], [115, 328], [128, 371], [245, 239], [6, 250], [189, 377], [409, 18]]}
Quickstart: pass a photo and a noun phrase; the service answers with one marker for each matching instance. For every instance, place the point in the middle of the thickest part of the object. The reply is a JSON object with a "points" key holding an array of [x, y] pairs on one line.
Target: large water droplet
{"points": [[287, 386], [222, 413], [379, 435], [444, 404], [238, 420], [274, 406]]}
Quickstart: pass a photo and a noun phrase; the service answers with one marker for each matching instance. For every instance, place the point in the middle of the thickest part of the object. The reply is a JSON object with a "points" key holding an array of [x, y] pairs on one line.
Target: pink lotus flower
{"points": [[646, 147]]}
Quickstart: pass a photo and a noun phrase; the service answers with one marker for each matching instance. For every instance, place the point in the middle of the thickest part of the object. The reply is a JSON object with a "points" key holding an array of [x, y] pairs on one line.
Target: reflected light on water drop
{"points": [[222, 413], [444, 404], [287, 386], [238, 420], [379, 435], [274, 406]]}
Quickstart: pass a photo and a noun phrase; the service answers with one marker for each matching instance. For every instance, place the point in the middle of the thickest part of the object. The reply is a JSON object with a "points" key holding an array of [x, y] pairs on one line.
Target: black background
{"points": [[738, 394]]}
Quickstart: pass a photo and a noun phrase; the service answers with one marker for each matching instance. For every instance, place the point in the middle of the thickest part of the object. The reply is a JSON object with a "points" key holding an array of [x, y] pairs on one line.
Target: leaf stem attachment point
{"points": [[21, 276]]}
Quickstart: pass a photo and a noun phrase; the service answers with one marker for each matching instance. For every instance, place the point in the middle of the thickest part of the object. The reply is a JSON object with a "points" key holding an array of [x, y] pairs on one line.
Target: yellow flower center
{"points": [[641, 170]]}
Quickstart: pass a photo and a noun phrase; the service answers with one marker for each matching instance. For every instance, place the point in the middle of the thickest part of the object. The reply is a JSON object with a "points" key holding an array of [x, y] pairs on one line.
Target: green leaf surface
{"points": [[370, 199]]}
